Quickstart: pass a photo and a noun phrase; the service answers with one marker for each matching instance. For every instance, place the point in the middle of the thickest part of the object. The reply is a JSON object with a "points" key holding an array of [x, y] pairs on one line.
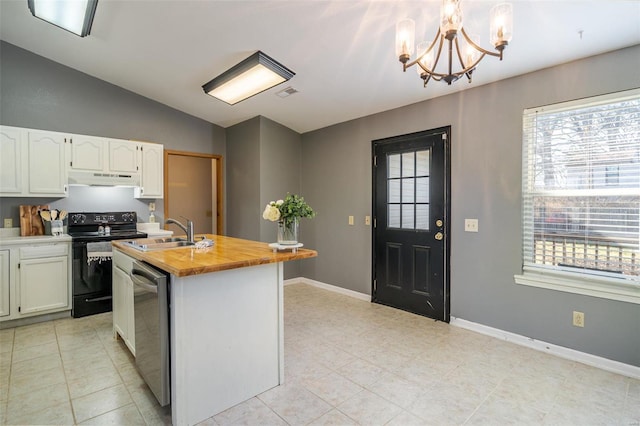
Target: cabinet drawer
{"points": [[48, 250], [122, 261]]}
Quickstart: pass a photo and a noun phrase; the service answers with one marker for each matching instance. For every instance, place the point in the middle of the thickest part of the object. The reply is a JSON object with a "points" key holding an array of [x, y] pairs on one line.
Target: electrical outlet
{"points": [[152, 207], [350, 220], [578, 319], [8, 222], [471, 225]]}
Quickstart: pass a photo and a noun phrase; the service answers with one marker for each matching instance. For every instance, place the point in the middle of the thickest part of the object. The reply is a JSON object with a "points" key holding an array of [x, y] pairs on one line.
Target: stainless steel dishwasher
{"points": [[151, 314]]}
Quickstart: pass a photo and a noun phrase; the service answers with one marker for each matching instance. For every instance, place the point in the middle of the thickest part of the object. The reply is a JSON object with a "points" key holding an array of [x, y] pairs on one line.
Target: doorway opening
{"points": [[193, 188]]}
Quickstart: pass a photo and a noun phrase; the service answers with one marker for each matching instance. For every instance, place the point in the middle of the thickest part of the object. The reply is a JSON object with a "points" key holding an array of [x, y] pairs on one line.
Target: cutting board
{"points": [[30, 220]]}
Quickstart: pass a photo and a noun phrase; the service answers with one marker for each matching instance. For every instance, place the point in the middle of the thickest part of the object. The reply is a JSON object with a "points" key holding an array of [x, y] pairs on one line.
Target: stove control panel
{"points": [[102, 218], [77, 218]]}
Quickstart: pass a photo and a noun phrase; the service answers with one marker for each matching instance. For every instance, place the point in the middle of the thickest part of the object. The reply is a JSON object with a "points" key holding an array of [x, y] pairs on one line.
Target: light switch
{"points": [[471, 225], [8, 222], [367, 220], [350, 220]]}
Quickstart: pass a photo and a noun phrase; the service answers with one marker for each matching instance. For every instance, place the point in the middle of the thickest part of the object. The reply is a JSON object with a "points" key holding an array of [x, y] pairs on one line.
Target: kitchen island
{"points": [[226, 322]]}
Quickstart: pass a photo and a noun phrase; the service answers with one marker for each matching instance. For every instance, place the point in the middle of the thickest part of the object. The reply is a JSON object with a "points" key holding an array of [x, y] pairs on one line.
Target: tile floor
{"points": [[347, 362]]}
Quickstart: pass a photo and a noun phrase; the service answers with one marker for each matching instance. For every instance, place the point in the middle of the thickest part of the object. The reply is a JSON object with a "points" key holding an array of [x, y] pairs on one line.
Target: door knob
{"points": [[439, 236]]}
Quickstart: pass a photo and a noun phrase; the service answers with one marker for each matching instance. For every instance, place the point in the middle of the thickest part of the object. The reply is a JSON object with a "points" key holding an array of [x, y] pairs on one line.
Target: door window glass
{"points": [[408, 190]]}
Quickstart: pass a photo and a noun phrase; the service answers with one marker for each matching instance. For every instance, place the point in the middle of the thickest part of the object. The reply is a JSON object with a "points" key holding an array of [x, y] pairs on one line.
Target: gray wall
{"points": [[280, 149], [486, 184], [263, 165], [41, 94], [243, 180]]}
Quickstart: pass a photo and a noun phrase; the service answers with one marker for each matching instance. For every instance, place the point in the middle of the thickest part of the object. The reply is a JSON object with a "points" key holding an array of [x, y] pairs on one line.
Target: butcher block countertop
{"points": [[226, 253]]}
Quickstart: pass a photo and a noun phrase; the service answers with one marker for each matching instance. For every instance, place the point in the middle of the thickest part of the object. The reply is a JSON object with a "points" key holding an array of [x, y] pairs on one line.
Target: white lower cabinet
{"points": [[35, 280], [123, 319], [4, 283], [43, 285]]}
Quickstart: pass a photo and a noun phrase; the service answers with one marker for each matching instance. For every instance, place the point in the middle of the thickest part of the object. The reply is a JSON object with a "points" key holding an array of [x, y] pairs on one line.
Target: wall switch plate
{"points": [[471, 225], [578, 319], [367, 220], [8, 222], [152, 207], [350, 220]]}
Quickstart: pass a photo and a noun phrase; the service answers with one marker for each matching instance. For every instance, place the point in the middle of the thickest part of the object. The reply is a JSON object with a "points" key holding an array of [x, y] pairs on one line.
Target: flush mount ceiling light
{"points": [[255, 74], [75, 16], [500, 31]]}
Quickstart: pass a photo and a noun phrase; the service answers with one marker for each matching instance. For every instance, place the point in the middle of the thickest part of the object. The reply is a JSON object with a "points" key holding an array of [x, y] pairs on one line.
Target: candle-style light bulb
{"points": [[500, 31], [405, 39]]}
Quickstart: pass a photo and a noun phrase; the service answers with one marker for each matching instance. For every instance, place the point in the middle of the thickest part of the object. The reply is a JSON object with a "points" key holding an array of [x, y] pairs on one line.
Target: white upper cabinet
{"points": [[103, 155], [152, 171], [87, 153], [38, 163], [123, 156], [47, 169], [11, 167]]}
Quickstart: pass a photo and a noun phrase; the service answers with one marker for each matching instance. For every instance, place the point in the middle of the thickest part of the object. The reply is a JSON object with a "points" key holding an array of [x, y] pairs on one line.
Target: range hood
{"points": [[103, 179]]}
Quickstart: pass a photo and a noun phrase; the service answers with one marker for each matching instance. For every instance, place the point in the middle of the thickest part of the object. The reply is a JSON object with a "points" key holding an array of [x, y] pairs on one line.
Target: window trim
{"points": [[585, 284], [605, 287]]}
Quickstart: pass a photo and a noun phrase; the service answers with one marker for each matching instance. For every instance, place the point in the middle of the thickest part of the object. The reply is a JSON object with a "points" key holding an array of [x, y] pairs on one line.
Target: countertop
{"points": [[226, 253], [11, 236]]}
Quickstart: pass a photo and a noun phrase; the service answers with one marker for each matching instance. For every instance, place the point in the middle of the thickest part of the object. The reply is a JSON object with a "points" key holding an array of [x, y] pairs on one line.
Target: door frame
{"points": [[446, 132], [219, 183]]}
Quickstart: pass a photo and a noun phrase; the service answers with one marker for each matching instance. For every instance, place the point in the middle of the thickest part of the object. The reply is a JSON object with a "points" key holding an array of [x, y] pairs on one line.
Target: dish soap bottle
{"points": [[152, 217]]}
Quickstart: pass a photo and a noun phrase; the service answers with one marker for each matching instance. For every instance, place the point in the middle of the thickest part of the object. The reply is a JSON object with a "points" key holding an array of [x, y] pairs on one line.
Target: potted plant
{"points": [[287, 213]]}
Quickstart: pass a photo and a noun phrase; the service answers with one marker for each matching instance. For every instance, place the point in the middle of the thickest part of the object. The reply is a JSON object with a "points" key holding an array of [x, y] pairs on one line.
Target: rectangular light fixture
{"points": [[75, 16], [255, 74]]}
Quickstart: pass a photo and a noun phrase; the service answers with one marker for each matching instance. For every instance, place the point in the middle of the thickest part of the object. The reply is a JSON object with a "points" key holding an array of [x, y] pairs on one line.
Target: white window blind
{"points": [[581, 187]]}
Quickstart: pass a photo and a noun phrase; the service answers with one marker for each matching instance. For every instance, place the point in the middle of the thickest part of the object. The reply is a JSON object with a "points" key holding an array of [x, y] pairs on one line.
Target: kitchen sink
{"points": [[158, 244], [169, 240]]}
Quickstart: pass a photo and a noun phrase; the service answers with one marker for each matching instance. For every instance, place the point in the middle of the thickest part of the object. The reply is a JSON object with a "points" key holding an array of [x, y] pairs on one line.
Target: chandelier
{"points": [[463, 50]]}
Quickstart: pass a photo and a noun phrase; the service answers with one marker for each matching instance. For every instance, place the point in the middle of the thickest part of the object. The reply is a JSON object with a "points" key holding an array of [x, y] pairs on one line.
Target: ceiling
{"points": [[342, 51]]}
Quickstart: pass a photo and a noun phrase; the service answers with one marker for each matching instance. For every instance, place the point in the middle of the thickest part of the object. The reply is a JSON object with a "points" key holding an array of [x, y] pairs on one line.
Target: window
{"points": [[581, 196]]}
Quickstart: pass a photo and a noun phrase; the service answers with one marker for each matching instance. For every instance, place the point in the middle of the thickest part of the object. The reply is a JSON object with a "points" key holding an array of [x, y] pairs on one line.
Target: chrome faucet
{"points": [[187, 229]]}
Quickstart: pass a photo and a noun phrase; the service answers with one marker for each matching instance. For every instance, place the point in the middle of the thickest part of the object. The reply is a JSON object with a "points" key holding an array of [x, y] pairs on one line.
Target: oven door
{"points": [[92, 292]]}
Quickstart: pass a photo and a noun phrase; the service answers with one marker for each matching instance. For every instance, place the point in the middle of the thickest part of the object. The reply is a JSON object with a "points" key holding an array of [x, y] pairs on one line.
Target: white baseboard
{"points": [[333, 288], [560, 351]]}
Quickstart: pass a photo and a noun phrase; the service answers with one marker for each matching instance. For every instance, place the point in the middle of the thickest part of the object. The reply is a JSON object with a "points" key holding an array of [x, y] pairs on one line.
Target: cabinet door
{"points": [[47, 171], [4, 283], [152, 171], [123, 308], [10, 161], [43, 285], [123, 156], [119, 282], [131, 323], [88, 153]]}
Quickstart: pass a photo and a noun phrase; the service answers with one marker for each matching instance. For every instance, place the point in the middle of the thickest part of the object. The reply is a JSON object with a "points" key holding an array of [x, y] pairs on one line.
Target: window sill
{"points": [[605, 288]]}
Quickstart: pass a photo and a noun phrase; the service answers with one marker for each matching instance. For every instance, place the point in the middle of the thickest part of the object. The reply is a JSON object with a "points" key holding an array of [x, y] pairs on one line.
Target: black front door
{"points": [[411, 179]]}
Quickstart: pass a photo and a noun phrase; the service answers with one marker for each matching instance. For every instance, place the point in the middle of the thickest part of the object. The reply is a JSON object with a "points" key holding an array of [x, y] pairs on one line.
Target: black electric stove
{"points": [[91, 234]]}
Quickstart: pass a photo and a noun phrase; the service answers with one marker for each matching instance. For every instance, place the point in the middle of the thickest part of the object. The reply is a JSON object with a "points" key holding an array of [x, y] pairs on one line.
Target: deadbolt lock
{"points": [[439, 236], [439, 223]]}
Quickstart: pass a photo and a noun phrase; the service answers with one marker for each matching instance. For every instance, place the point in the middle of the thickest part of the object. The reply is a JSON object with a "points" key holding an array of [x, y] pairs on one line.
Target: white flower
{"points": [[279, 202], [271, 213]]}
